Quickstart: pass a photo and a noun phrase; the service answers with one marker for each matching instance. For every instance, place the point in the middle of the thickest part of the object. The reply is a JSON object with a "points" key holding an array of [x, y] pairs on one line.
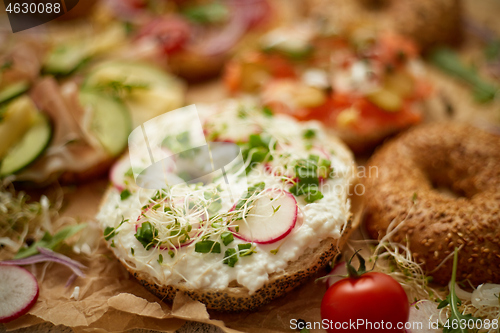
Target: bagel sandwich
{"points": [[233, 242]]}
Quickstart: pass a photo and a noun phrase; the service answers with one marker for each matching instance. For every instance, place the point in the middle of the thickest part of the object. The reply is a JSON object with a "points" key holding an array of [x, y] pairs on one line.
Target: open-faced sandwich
{"points": [[232, 231], [74, 124], [193, 38], [428, 22], [363, 86]]}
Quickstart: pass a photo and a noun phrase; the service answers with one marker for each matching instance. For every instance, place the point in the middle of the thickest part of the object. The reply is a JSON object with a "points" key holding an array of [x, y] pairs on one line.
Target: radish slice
{"points": [[118, 173], [18, 292], [271, 219], [121, 174], [424, 317], [338, 273]]}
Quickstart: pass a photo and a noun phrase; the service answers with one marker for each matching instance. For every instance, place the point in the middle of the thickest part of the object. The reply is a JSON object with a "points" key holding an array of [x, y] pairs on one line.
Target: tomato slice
{"points": [[370, 118], [171, 32], [253, 66]]}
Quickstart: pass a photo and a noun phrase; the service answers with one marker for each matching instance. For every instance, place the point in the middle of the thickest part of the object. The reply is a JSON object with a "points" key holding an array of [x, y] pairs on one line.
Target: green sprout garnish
{"points": [[227, 237], [207, 246], [146, 235], [125, 194], [245, 249], [452, 300], [230, 257]]}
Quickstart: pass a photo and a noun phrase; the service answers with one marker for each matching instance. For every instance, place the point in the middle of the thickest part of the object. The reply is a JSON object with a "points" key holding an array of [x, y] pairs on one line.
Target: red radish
{"points": [[118, 172], [272, 218], [18, 292], [336, 274], [245, 15], [278, 170], [424, 316], [126, 9], [146, 209], [171, 32], [322, 151]]}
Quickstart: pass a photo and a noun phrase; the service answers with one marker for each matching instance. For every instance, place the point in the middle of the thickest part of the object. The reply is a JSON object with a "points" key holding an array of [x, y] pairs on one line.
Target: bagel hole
{"points": [[442, 184], [375, 4], [448, 175], [448, 192]]}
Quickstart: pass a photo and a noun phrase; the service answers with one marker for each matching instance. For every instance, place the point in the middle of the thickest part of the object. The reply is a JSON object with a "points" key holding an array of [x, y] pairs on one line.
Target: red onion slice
{"points": [[47, 255]]}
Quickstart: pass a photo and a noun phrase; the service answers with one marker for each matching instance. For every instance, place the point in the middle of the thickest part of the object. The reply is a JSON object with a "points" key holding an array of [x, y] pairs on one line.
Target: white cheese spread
{"points": [[323, 218]]}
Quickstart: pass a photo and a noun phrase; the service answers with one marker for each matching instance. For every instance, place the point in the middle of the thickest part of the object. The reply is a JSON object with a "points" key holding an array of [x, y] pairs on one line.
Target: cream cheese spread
{"points": [[198, 211]]}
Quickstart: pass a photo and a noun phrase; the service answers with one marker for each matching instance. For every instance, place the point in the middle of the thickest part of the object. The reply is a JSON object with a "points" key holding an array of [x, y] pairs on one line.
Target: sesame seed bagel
{"points": [[237, 298], [441, 182], [238, 241]]}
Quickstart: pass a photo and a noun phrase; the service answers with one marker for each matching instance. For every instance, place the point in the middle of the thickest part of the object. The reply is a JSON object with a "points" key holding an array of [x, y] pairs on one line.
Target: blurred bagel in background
{"points": [[428, 22]]}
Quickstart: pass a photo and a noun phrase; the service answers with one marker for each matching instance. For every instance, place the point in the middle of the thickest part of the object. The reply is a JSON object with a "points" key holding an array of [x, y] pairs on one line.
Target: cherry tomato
{"points": [[171, 32], [373, 297]]}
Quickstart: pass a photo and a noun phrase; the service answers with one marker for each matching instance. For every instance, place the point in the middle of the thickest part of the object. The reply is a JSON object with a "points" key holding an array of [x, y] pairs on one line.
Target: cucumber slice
{"points": [[13, 90], [207, 13], [16, 118], [67, 57], [128, 72], [64, 59], [146, 90], [292, 43], [110, 120], [29, 148]]}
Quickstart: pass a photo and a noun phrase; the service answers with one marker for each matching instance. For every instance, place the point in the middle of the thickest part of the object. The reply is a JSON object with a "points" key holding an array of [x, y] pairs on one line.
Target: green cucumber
{"points": [[293, 52], [207, 13], [146, 90], [134, 74], [285, 42], [110, 123], [29, 148], [66, 58], [13, 90]]}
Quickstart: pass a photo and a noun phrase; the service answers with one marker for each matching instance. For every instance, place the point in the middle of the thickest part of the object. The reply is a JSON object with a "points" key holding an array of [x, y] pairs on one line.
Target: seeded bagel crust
{"points": [[466, 161], [236, 298]]}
